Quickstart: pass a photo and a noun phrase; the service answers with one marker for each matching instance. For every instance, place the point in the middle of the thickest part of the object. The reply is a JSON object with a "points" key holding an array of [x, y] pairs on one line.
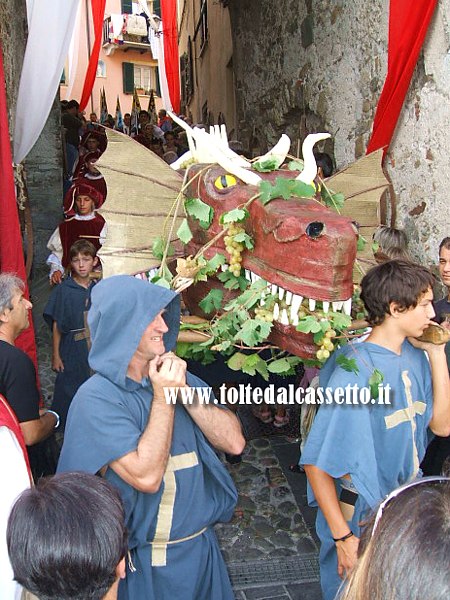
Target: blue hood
{"points": [[121, 309]]}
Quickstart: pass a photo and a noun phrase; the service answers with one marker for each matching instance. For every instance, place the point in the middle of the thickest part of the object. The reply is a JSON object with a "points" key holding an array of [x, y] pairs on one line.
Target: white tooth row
{"points": [[294, 302]]}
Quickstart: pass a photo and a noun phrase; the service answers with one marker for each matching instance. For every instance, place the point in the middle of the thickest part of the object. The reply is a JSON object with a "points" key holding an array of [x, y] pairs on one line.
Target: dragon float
{"points": [[262, 252]]}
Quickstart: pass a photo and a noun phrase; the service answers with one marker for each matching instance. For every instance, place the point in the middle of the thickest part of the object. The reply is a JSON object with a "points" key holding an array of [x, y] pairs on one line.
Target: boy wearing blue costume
{"points": [[158, 454], [65, 314], [356, 454]]}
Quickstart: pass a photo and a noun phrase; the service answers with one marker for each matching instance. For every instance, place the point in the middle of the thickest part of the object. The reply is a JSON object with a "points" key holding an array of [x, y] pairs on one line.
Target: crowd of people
{"points": [[140, 485]]}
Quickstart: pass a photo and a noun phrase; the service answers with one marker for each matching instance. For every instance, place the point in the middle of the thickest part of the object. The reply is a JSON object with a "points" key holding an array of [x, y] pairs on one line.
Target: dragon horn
{"points": [[309, 172]]}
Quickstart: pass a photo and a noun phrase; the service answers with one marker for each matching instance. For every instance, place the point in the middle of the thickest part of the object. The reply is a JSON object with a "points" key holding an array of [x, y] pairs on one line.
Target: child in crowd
{"points": [[86, 223], [64, 313], [356, 454], [392, 244]]}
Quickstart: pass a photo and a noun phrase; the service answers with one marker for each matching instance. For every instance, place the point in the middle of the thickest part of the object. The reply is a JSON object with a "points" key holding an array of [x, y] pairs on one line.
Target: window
{"points": [[142, 77], [202, 25], [101, 69], [127, 7], [187, 74]]}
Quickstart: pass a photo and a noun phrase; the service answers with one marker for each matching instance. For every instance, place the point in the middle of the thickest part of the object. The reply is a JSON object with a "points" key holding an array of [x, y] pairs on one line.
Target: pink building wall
{"points": [[113, 81]]}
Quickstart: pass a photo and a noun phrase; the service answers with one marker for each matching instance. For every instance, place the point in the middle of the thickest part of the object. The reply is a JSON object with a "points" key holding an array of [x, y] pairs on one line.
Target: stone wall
{"points": [[44, 162], [303, 66]]}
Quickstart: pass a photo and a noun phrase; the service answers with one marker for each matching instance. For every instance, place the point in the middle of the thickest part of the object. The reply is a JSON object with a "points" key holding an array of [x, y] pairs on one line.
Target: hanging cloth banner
{"points": [[11, 253], [98, 13], [50, 31], [171, 58], [408, 25]]}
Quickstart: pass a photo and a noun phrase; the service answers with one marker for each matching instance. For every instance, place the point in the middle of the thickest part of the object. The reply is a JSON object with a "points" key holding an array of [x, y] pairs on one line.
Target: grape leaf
{"points": [[255, 363], [158, 248], [253, 332], [302, 189], [296, 165], [375, 380], [265, 166], [282, 365], [340, 320], [245, 239], [212, 301], [237, 361], [199, 210], [348, 364], [309, 325], [332, 200], [236, 215], [216, 261], [184, 232], [361, 244]]}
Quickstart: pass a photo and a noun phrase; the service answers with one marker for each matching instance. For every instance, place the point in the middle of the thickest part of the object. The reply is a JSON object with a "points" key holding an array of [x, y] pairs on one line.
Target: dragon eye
{"points": [[224, 182], [315, 229]]}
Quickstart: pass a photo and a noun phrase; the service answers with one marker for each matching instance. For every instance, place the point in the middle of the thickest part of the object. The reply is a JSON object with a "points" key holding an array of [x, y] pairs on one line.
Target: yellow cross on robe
{"points": [[408, 414]]}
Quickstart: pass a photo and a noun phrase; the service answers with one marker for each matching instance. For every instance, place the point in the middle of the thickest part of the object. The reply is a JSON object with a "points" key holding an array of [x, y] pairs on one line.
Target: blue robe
{"points": [[67, 305], [378, 454], [106, 419]]}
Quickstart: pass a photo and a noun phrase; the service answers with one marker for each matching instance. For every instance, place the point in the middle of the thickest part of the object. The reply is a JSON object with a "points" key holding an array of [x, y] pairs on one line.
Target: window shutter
{"points": [[157, 7], [157, 86], [128, 77], [127, 7]]}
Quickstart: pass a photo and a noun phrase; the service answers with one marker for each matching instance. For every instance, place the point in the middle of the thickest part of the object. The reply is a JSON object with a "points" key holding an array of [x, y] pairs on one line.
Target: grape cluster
{"points": [[264, 314], [326, 346], [234, 248]]}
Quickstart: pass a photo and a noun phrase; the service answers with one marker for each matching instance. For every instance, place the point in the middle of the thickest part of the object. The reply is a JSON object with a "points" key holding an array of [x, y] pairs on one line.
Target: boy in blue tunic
{"points": [[158, 454], [356, 454], [65, 314]]}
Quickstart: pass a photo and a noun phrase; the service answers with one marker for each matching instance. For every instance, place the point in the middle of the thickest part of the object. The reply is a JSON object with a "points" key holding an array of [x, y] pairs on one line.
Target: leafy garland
{"points": [[239, 329]]}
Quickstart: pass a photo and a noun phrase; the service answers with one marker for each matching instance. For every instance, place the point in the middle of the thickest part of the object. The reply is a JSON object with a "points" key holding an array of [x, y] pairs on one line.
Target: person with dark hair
{"points": [[86, 223], [439, 448], [356, 453], [65, 315], [405, 549], [324, 164], [164, 121], [160, 454], [67, 539]]}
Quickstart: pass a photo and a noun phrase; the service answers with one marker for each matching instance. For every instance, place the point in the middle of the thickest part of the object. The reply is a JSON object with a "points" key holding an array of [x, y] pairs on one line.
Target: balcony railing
{"points": [[125, 40]]}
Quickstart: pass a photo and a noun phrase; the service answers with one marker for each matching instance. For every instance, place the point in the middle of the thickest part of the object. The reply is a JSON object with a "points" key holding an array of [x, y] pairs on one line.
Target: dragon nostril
{"points": [[315, 229]]}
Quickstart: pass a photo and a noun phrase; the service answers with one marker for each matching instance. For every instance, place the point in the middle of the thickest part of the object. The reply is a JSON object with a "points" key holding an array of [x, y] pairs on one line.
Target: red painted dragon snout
{"points": [[305, 250]]}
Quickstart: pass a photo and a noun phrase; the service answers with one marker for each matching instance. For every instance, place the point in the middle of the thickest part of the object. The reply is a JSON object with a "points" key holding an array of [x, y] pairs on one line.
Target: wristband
{"points": [[344, 537], [52, 412]]}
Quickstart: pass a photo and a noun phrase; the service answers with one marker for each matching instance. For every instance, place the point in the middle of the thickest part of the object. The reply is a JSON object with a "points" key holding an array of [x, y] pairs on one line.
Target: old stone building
{"points": [[302, 66]]}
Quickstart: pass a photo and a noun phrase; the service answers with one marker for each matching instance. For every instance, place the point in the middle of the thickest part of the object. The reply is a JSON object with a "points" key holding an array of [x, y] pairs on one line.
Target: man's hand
{"points": [[167, 371], [57, 364], [56, 278], [347, 555]]}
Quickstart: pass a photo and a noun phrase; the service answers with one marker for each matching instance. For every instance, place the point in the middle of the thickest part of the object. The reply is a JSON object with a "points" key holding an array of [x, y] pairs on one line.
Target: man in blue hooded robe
{"points": [[159, 454], [356, 454]]}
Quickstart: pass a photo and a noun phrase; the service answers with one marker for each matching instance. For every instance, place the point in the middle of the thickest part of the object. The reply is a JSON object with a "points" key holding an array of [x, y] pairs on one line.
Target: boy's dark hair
{"points": [[396, 281], [72, 104], [325, 161], [444, 244], [82, 247], [66, 537]]}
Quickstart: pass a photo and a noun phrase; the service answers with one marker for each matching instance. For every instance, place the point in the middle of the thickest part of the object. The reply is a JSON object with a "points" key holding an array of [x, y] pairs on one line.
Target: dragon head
{"points": [[303, 249]]}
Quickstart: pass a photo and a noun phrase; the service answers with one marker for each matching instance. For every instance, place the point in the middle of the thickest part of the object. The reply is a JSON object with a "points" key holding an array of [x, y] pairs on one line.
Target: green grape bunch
{"points": [[233, 248]]}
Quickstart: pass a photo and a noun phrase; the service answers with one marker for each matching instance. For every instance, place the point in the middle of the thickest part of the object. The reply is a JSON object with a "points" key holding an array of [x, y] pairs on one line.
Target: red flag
{"points": [[11, 253], [408, 25], [98, 13], [171, 58]]}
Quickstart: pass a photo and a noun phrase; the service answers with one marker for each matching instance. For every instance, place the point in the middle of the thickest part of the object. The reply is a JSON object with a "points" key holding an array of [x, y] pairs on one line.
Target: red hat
{"points": [[83, 162], [100, 136], [81, 189]]}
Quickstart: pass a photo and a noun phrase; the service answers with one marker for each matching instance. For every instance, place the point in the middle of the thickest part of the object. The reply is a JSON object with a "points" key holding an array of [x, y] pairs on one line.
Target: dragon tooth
{"points": [[284, 317], [294, 318], [312, 304], [274, 289], [247, 274], [276, 311], [224, 268], [280, 293], [326, 306], [296, 303], [288, 297], [337, 306], [348, 307]]}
